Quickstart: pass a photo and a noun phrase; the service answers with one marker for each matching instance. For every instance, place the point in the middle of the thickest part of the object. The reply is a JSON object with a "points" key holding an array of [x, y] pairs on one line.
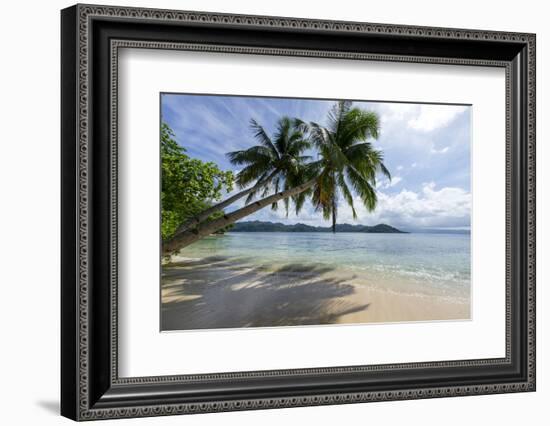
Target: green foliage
{"points": [[348, 162], [188, 185], [277, 161]]}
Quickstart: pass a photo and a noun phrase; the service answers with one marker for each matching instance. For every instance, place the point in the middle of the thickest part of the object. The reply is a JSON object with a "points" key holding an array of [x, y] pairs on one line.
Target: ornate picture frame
{"points": [[91, 38]]}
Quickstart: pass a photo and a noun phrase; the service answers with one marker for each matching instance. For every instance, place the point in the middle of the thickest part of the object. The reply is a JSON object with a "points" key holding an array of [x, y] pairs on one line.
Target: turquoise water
{"points": [[431, 263]]}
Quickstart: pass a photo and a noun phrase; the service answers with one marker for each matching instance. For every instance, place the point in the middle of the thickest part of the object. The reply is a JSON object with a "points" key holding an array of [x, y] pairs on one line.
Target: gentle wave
{"points": [[429, 264]]}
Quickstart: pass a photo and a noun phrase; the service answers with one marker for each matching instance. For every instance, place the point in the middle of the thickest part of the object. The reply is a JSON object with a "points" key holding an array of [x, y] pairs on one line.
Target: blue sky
{"points": [[426, 148]]}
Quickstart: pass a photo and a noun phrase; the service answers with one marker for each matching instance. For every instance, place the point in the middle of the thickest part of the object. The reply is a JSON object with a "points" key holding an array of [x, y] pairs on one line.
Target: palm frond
{"points": [[252, 173], [255, 154], [250, 197], [319, 136], [276, 183], [313, 169], [358, 125], [301, 126], [363, 187], [266, 190], [284, 127], [297, 145], [324, 191], [286, 202], [327, 211], [299, 201], [337, 114], [261, 135], [346, 193], [385, 171]]}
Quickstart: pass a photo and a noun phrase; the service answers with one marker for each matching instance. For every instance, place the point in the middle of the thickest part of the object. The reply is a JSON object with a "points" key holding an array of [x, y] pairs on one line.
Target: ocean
{"points": [[416, 263]]}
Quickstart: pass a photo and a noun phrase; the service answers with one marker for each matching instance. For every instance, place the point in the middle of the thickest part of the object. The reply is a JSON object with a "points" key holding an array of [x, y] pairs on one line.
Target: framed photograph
{"points": [[263, 212]]}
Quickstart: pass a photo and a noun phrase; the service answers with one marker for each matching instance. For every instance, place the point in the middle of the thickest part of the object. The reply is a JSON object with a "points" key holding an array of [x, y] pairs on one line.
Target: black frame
{"points": [[91, 37]]}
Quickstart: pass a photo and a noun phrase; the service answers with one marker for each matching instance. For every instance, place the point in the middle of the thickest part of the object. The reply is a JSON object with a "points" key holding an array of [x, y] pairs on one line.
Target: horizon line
{"points": [[404, 227]]}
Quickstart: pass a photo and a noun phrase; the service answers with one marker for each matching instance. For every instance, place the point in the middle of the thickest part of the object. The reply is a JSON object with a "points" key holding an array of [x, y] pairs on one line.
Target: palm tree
{"points": [[275, 162], [271, 164], [346, 159], [190, 236]]}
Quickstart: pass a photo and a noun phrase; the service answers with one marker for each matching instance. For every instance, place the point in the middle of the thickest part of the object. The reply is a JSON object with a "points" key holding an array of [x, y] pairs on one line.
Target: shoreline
{"points": [[218, 292]]}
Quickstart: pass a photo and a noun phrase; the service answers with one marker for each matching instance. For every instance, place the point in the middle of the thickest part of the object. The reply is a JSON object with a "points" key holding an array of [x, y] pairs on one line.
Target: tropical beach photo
{"points": [[283, 212]]}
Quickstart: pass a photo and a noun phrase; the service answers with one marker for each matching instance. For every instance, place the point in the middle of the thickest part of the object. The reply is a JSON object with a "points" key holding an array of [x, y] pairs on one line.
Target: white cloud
{"points": [[423, 118], [431, 117], [447, 207], [439, 151], [431, 207], [394, 112], [400, 167]]}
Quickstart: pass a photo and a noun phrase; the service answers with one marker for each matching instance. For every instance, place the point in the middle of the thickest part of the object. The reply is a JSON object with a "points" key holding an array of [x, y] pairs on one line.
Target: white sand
{"points": [[217, 293]]}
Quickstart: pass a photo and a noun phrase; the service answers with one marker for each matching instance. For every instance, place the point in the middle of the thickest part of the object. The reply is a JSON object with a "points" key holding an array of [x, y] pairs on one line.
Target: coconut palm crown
{"points": [[347, 160], [277, 162], [266, 166]]}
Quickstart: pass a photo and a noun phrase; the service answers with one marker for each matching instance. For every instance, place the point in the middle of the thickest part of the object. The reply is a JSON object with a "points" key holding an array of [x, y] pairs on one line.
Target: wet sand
{"points": [[217, 292]]}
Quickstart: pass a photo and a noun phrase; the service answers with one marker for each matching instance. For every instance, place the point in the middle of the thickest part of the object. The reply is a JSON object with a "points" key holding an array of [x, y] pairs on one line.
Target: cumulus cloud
{"points": [[424, 118], [439, 151], [430, 117], [394, 112], [431, 207]]}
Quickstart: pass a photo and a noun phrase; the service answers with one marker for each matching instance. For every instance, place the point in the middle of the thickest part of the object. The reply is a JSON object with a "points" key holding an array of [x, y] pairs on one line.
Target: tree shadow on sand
{"points": [[218, 292]]}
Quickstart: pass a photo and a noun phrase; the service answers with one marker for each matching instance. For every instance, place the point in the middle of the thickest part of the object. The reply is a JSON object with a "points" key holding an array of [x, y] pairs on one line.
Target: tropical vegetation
{"points": [[279, 169], [261, 226], [188, 185], [347, 159], [270, 164]]}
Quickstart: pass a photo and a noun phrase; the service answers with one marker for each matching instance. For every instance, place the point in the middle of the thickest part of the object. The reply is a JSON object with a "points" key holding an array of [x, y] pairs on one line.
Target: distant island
{"points": [[259, 226]]}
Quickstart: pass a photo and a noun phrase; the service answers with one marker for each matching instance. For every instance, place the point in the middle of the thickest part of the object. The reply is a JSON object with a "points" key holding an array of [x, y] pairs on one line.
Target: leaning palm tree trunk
{"points": [[178, 241], [205, 214], [334, 207]]}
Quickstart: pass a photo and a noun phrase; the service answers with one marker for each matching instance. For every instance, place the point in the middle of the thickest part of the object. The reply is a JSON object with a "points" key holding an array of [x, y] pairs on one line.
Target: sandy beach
{"points": [[218, 292]]}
